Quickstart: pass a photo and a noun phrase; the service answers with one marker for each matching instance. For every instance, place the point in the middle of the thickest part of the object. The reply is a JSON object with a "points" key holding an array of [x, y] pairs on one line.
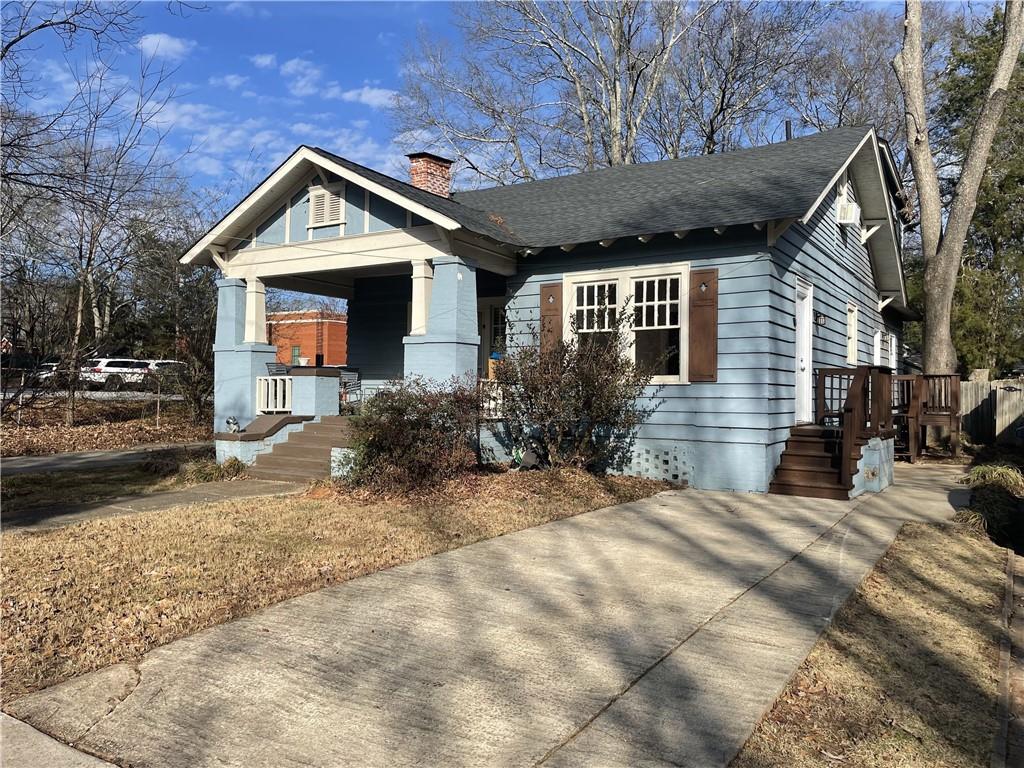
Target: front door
{"points": [[804, 314], [491, 319]]}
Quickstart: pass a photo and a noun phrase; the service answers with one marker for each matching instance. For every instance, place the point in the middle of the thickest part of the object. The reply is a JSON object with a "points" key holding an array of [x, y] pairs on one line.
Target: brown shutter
{"points": [[550, 316], [704, 325]]}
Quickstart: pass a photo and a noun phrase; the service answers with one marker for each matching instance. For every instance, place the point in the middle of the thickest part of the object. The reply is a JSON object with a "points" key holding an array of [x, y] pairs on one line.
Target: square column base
{"points": [[441, 358], [235, 369]]}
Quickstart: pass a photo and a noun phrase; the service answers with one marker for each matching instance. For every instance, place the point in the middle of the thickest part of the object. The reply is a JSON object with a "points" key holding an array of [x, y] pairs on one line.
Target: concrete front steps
{"points": [[809, 464], [306, 454]]}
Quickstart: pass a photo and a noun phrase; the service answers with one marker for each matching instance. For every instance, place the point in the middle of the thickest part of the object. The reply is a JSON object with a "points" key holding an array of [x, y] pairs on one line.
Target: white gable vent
{"points": [[326, 205], [848, 213]]}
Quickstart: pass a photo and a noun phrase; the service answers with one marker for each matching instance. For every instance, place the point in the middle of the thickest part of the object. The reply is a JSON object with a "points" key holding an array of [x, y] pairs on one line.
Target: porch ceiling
{"points": [[336, 283]]}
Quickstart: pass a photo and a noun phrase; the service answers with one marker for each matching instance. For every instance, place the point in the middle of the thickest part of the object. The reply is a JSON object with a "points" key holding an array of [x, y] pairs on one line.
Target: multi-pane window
{"points": [[656, 325], [596, 305], [654, 297], [296, 354]]}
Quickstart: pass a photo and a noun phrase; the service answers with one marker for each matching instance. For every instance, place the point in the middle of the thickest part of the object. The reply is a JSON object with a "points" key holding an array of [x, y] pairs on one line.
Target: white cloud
{"points": [[159, 44], [188, 116], [248, 10], [354, 144], [231, 82], [371, 96], [303, 76], [264, 60], [211, 166]]}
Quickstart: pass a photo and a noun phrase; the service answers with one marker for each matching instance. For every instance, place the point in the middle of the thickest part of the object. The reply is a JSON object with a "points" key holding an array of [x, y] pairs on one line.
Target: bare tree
{"points": [[943, 234], [721, 89], [542, 88]]}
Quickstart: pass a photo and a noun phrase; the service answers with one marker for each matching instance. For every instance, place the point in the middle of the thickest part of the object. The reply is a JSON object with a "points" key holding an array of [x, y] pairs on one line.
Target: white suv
{"points": [[113, 374]]}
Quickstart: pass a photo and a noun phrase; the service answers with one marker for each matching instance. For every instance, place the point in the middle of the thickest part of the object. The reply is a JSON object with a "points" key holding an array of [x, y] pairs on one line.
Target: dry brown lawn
{"points": [[105, 591], [100, 425], [908, 672]]}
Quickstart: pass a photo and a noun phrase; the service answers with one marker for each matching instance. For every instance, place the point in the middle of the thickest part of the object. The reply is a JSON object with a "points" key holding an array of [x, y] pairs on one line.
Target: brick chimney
{"points": [[431, 172]]}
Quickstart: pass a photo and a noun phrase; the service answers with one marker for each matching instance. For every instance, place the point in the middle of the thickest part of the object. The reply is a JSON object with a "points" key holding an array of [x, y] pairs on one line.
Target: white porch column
{"points": [[255, 311], [422, 281]]}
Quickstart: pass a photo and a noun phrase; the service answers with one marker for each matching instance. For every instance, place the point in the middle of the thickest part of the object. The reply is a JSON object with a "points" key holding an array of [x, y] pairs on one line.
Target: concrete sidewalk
{"points": [[45, 518], [84, 460], [648, 634]]}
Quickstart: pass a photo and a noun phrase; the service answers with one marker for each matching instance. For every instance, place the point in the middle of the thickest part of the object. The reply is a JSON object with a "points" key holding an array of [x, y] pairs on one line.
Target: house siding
{"points": [[832, 259], [717, 433], [729, 434]]}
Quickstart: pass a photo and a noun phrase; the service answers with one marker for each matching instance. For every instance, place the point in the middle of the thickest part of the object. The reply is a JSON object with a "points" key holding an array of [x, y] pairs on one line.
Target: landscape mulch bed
{"points": [[89, 595], [907, 674], [99, 425]]}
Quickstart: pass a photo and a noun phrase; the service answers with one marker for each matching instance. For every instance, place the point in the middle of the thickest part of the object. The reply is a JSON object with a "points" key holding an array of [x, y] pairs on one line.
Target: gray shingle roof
{"points": [[769, 182], [774, 181]]}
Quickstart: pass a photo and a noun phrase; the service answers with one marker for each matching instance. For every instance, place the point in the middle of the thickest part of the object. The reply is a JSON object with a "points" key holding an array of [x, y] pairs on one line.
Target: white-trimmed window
{"points": [[326, 205], [852, 318], [876, 349], [656, 296], [893, 353]]}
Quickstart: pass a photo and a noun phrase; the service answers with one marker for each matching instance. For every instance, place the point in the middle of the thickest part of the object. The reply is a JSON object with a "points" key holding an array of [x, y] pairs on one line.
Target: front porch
{"points": [[437, 318]]}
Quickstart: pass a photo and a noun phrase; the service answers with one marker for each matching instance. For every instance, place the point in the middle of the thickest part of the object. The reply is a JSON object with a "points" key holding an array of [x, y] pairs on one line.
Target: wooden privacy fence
{"points": [[992, 410]]}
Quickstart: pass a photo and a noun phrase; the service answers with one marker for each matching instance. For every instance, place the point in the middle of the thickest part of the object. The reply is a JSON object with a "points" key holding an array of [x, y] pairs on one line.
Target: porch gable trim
{"points": [[204, 249]]}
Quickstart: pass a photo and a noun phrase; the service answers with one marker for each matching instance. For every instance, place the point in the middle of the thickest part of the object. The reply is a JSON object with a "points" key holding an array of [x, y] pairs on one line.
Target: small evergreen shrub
{"points": [[415, 434]]}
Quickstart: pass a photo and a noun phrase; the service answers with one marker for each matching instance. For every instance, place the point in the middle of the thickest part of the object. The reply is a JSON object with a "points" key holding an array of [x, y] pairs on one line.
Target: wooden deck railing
{"points": [[857, 401]]}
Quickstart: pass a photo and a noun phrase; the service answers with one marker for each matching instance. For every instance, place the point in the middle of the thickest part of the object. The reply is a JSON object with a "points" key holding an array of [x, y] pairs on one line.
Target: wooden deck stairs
{"points": [[810, 464], [852, 405], [306, 454]]}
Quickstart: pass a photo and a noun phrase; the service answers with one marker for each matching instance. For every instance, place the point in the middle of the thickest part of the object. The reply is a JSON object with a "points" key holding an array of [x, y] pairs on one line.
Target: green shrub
{"points": [[414, 434], [578, 402]]}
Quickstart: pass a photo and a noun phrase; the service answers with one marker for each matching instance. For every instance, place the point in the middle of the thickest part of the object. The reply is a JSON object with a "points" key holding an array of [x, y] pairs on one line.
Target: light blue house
{"points": [[749, 270]]}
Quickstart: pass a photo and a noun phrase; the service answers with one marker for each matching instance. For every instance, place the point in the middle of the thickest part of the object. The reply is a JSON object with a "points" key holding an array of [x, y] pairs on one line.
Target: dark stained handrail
{"points": [[866, 394]]}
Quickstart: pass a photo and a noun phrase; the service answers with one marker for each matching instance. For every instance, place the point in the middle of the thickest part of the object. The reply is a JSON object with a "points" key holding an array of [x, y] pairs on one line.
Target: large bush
{"points": [[577, 402], [414, 434]]}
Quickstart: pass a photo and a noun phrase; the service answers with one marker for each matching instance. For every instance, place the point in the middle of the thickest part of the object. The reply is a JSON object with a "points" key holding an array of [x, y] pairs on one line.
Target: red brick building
{"points": [[306, 334]]}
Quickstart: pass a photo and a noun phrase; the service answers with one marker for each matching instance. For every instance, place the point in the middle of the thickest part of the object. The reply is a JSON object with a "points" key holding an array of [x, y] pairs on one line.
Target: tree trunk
{"points": [[943, 249]]}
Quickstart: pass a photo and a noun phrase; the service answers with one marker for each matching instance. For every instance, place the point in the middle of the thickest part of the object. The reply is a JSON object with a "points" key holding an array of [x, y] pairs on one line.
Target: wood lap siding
{"points": [[748, 403], [840, 271], [377, 322]]}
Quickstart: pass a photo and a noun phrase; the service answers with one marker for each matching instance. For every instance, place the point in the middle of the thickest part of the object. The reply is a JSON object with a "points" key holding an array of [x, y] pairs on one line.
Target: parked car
{"points": [[163, 375], [114, 374]]}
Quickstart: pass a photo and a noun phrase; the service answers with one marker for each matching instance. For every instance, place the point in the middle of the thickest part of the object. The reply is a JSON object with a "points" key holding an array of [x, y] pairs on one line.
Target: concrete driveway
{"points": [[648, 634]]}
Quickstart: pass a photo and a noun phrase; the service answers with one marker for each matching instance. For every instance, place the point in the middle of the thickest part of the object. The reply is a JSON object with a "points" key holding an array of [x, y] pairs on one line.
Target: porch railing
{"points": [[490, 399], [273, 394], [858, 401]]}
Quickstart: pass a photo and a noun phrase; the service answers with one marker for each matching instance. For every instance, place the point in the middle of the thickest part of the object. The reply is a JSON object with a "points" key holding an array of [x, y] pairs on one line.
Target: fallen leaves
{"points": [[89, 595], [99, 426]]}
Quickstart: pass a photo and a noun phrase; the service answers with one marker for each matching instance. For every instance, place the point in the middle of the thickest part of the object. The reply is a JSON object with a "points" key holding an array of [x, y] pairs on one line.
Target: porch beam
{"points": [[371, 250]]}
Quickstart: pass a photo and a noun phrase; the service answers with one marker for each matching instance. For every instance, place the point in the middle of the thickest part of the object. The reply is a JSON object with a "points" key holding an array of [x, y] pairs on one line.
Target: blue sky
{"points": [[253, 80]]}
